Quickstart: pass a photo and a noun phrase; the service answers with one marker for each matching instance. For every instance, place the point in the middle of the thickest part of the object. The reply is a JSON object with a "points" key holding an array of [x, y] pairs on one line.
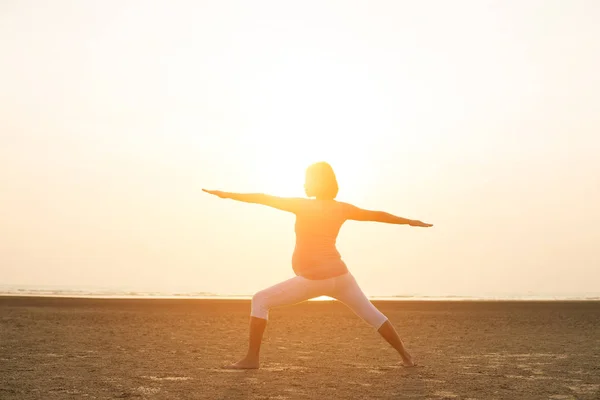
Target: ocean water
{"points": [[91, 292]]}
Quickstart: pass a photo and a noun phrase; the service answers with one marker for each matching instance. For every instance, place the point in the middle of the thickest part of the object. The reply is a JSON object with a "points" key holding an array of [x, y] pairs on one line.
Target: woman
{"points": [[316, 262]]}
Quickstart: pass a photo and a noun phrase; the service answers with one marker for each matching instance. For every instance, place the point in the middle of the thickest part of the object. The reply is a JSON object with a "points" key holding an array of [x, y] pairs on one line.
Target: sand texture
{"points": [[57, 348]]}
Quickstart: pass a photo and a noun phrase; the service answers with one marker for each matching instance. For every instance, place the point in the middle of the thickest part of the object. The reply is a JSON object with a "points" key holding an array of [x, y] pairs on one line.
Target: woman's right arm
{"points": [[358, 214], [290, 204]]}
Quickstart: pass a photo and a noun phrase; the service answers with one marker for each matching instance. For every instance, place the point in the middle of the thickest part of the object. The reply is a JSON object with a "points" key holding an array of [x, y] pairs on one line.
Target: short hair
{"points": [[323, 180]]}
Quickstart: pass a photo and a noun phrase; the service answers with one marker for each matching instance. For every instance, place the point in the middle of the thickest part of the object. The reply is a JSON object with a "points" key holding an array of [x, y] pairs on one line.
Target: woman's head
{"points": [[321, 181]]}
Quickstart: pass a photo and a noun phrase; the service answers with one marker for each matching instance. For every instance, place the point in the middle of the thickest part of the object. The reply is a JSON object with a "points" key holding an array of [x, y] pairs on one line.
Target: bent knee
{"points": [[373, 317], [259, 305], [259, 297]]}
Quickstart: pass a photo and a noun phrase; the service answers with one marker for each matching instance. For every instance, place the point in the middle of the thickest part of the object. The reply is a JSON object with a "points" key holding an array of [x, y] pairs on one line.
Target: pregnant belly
{"points": [[321, 266]]}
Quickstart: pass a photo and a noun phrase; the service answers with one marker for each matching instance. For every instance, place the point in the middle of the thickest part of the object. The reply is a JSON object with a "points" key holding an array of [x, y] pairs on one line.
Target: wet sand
{"points": [[60, 348]]}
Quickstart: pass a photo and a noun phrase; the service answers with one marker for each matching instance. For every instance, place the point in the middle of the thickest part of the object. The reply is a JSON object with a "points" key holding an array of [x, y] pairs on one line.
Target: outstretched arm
{"points": [[359, 214], [290, 204]]}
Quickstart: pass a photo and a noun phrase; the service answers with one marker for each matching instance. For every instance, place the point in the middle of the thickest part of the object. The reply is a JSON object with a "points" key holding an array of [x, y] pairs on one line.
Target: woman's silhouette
{"points": [[316, 262]]}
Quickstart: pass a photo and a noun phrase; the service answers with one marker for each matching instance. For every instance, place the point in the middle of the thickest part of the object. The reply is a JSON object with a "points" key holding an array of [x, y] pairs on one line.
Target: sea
{"points": [[95, 292]]}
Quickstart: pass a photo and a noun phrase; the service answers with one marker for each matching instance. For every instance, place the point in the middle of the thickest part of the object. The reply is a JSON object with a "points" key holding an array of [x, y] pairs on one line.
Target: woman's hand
{"points": [[419, 223], [218, 193]]}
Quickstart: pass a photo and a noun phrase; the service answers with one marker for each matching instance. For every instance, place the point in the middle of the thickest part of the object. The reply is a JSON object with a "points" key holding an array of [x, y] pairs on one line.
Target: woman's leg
{"points": [[388, 332], [348, 292], [257, 328], [289, 292]]}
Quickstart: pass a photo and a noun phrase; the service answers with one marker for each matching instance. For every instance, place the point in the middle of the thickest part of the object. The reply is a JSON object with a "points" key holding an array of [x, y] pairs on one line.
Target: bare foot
{"points": [[408, 362], [245, 363]]}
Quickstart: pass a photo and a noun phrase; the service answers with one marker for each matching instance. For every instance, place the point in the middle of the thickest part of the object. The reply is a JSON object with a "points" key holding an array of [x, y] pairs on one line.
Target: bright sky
{"points": [[481, 117]]}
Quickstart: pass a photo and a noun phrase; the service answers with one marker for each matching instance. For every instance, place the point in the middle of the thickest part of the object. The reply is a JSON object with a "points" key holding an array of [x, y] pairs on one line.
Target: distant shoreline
{"points": [[248, 298]]}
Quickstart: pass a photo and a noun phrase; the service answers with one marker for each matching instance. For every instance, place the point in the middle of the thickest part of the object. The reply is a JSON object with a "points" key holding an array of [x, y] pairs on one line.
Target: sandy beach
{"points": [[63, 348]]}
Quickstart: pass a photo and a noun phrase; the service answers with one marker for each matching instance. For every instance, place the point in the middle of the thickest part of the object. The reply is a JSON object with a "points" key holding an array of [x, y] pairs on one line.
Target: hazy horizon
{"points": [[480, 117], [123, 292]]}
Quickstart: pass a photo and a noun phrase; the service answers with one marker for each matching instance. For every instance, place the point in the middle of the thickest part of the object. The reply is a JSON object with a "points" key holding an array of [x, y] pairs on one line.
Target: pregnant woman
{"points": [[316, 262]]}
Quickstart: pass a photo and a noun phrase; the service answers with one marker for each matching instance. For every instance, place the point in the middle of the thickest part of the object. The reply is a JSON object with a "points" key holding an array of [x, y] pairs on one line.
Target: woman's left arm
{"points": [[290, 204]]}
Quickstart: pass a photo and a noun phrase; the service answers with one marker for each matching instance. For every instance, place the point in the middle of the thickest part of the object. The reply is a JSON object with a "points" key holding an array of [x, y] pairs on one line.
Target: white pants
{"points": [[343, 288]]}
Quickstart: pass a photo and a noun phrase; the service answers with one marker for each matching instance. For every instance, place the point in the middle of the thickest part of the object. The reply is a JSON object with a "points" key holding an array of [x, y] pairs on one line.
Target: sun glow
{"points": [[314, 108], [282, 173]]}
